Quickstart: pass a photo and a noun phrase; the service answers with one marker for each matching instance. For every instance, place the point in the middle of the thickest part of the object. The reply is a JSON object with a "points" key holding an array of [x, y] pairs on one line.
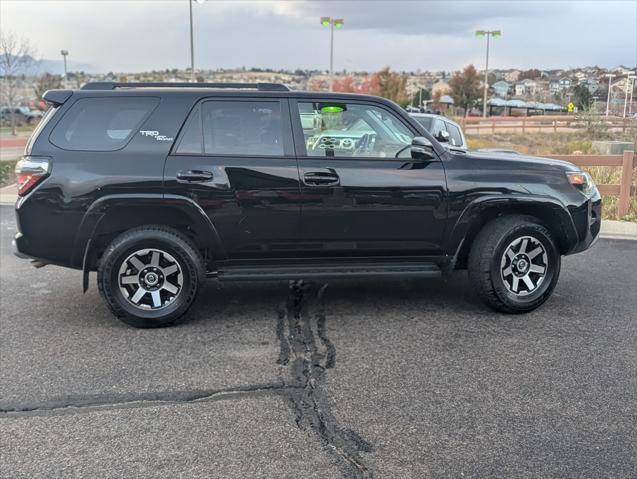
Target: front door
{"points": [[362, 194], [235, 159]]}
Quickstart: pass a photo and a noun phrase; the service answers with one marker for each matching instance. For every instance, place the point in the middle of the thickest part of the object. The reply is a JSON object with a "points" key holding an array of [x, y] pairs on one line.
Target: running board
{"points": [[323, 271]]}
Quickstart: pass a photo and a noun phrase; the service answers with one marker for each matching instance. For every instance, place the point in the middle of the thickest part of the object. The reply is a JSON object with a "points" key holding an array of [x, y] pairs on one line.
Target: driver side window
{"points": [[333, 129]]}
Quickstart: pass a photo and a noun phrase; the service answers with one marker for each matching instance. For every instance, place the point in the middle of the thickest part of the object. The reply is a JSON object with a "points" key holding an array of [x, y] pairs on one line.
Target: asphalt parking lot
{"points": [[400, 379]]}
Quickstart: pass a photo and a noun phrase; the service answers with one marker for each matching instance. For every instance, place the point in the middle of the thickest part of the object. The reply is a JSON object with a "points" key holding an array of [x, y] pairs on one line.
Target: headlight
{"points": [[581, 180]]}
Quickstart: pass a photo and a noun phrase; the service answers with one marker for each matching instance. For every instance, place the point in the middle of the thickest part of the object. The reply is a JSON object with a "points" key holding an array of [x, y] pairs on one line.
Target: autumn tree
{"points": [[392, 86], [16, 60], [465, 88], [344, 85]]}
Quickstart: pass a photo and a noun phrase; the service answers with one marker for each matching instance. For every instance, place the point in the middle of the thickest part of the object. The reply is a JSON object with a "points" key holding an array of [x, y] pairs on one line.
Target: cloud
{"points": [[407, 35]]}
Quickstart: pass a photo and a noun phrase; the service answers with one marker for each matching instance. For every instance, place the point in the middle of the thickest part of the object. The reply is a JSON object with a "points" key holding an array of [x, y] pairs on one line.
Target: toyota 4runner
{"points": [[158, 186]]}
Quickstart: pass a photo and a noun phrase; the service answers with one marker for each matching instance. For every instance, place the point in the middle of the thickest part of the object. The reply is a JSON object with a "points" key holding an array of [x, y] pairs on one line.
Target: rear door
{"points": [[362, 192], [235, 159]]}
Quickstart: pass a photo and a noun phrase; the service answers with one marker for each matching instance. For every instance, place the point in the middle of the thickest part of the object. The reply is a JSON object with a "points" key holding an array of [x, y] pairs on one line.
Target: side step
{"points": [[322, 271]]}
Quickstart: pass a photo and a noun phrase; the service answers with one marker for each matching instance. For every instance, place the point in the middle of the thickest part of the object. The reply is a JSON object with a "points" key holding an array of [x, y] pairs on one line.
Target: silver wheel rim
{"points": [[524, 265], [150, 279]]}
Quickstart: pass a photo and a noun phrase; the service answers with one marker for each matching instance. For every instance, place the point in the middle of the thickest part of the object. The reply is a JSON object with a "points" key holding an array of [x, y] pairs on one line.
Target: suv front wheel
{"points": [[149, 276], [514, 264]]}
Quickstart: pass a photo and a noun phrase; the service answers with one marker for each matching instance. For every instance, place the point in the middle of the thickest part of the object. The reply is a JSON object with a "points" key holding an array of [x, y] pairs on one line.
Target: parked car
{"points": [[446, 131], [158, 186], [23, 116]]}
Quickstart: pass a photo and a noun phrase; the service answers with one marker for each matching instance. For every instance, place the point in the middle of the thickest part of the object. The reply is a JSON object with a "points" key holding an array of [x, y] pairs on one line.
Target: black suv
{"points": [[158, 186]]}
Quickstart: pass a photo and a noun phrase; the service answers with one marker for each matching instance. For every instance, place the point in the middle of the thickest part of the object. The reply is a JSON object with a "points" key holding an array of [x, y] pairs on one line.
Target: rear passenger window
{"points": [[242, 128], [101, 124]]}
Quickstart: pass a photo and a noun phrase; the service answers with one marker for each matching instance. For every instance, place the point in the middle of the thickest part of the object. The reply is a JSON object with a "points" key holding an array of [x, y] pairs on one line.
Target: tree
{"points": [[465, 88], [582, 97], [46, 82], [392, 86], [344, 85], [531, 74], [422, 94], [16, 59]]}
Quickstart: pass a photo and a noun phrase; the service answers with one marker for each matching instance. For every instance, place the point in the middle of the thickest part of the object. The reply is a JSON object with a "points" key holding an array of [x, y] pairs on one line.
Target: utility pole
{"points": [[488, 34], [632, 87], [332, 23], [610, 77], [629, 85]]}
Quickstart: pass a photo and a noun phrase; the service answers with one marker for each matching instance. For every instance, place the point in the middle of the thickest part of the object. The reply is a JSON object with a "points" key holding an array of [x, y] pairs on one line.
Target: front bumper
{"points": [[587, 219]]}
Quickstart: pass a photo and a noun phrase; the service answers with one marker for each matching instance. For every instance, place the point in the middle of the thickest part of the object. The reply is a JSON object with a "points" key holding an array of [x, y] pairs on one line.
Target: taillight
{"points": [[29, 171]]}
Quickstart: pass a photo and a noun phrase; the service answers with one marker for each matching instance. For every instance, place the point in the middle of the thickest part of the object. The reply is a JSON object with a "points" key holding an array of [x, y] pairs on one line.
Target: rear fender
{"points": [[121, 212]]}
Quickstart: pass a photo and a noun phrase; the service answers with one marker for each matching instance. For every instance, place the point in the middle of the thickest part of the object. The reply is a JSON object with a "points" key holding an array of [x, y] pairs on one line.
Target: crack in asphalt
{"points": [[306, 362], [307, 366], [105, 402]]}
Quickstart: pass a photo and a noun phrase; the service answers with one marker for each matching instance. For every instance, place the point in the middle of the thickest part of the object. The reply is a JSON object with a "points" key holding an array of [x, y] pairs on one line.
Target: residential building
{"points": [[501, 88]]}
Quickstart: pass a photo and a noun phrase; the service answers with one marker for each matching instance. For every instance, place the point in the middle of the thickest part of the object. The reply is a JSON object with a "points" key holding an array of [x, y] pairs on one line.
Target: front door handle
{"points": [[321, 178], [194, 176]]}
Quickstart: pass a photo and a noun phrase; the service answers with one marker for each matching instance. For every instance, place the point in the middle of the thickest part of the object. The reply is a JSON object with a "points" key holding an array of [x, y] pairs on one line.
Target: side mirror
{"points": [[443, 136], [422, 149]]}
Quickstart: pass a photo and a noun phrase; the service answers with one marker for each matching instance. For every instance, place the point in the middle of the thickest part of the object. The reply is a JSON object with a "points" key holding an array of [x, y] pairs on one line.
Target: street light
{"points": [[192, 42], [332, 23], [488, 34], [632, 87], [64, 54], [610, 77]]}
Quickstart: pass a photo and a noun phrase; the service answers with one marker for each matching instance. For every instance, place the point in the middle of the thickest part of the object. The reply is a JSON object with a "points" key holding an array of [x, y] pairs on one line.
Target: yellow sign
{"points": [[570, 107]]}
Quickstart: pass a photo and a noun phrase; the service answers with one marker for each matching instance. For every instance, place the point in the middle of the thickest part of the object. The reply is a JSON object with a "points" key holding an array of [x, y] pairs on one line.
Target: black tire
{"points": [[492, 270], [174, 249]]}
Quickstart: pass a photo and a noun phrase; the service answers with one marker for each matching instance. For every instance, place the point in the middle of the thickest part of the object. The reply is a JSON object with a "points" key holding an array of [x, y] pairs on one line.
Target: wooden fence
{"points": [[627, 162], [539, 123]]}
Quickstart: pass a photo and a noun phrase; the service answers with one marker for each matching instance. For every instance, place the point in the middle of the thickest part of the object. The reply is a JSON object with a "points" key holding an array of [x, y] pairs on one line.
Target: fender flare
{"points": [[473, 211], [83, 254]]}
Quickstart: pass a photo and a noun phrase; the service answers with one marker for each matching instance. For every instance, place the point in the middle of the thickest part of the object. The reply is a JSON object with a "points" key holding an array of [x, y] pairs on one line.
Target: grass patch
{"points": [[6, 130], [7, 175]]}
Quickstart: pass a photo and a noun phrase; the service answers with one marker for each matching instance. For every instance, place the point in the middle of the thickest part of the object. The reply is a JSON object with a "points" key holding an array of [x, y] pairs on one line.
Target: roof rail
{"points": [[251, 86]]}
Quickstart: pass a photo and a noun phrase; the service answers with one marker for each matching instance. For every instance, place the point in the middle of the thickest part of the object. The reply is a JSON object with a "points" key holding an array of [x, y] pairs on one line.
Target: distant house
{"points": [[501, 88], [554, 85], [512, 75], [440, 86], [565, 83], [525, 87], [591, 83]]}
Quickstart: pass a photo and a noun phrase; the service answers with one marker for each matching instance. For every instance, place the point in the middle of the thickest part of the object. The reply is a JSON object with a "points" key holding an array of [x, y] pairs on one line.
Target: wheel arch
{"points": [[114, 214], [546, 211]]}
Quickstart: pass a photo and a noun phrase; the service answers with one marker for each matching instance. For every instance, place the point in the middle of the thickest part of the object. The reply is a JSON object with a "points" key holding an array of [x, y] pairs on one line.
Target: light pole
{"points": [[488, 34], [632, 87], [192, 41], [629, 84], [332, 23], [64, 54], [610, 77]]}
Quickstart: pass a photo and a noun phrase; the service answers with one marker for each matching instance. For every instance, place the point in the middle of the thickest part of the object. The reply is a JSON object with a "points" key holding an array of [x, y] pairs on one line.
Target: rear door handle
{"points": [[320, 178], [194, 176]]}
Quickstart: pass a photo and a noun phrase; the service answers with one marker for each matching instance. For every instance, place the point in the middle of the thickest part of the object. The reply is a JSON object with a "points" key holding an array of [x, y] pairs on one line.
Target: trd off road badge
{"points": [[156, 135]]}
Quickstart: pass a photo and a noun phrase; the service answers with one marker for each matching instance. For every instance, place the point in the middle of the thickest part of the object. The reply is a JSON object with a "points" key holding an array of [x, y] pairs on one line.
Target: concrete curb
{"points": [[619, 230], [625, 230]]}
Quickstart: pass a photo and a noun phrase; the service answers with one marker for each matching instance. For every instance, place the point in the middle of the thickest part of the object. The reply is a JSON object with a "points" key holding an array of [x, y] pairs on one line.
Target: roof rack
{"points": [[234, 86]]}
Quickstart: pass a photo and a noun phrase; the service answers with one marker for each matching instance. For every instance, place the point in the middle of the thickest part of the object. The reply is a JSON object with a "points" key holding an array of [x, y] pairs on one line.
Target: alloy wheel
{"points": [[150, 279], [524, 265]]}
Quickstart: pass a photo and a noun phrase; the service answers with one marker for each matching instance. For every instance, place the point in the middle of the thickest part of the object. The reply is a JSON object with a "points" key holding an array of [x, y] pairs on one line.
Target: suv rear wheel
{"points": [[514, 264], [149, 276]]}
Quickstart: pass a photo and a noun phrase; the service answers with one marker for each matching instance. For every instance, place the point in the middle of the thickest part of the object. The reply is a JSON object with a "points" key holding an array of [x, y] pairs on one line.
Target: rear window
{"points": [[101, 124], [241, 128], [425, 121]]}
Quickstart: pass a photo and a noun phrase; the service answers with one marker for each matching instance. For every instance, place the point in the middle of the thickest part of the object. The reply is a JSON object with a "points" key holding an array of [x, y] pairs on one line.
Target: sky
{"points": [[141, 35]]}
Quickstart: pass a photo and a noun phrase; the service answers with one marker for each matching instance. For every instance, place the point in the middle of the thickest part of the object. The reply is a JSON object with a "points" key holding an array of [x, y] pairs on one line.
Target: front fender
{"points": [[474, 213]]}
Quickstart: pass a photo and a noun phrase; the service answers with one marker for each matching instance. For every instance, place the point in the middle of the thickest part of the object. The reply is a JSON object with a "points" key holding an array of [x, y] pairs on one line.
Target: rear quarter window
{"points": [[102, 124]]}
